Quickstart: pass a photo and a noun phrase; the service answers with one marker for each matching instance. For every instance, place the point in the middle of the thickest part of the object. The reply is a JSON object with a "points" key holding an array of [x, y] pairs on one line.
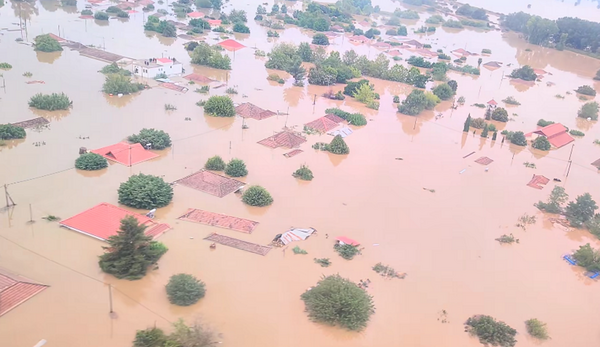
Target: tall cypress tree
{"points": [[494, 136], [467, 124], [484, 133]]}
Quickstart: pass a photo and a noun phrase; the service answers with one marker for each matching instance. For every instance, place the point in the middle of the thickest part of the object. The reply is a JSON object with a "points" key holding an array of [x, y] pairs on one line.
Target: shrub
{"points": [[543, 122], [185, 290], [443, 91], [351, 88], [320, 39], [5, 66], [541, 143], [219, 106], [122, 14], [589, 110], [478, 123], [257, 196], [151, 337], [557, 198], [236, 168], [303, 173], [338, 146], [231, 90], [45, 43], [537, 329], [417, 101], [490, 331], [444, 56], [90, 162], [588, 257], [346, 251], [435, 19], [586, 90], [241, 28], [525, 73], [120, 84], [130, 252], [215, 163], [87, 13], [452, 24], [486, 51], [518, 138], [298, 250], [9, 132], [576, 132], [499, 114], [145, 192], [396, 99], [511, 101], [352, 118], [50, 102], [237, 16], [151, 138], [114, 68], [338, 301], [324, 262], [272, 33], [99, 15]]}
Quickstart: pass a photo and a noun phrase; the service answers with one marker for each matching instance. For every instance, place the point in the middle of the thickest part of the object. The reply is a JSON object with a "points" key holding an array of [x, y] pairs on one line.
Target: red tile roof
{"points": [[249, 110], [492, 102], [198, 78], [219, 220], [211, 183], [285, 138], [322, 124], [196, 14], [334, 118], [57, 38], [104, 220], [15, 290], [231, 44], [293, 153], [413, 43], [164, 60], [125, 153], [214, 22], [537, 181], [560, 140], [597, 164], [359, 38], [347, 240], [557, 134], [484, 161]]}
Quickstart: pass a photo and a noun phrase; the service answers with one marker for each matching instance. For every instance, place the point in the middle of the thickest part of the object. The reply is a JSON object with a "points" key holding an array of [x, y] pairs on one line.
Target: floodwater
{"points": [[443, 240]]}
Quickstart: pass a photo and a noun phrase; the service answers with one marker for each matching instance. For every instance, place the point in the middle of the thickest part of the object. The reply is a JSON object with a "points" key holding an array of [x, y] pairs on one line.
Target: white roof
{"points": [[296, 234]]}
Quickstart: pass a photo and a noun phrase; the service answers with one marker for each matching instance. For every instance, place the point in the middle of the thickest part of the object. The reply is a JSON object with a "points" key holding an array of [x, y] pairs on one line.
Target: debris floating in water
{"points": [[463, 170]]}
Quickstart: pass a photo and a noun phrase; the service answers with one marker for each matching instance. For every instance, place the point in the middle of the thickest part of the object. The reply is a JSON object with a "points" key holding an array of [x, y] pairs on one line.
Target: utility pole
{"points": [[110, 298], [9, 200], [570, 161]]}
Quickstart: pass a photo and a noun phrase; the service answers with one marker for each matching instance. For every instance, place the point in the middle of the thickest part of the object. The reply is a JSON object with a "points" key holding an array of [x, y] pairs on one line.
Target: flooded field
{"points": [[444, 240]]}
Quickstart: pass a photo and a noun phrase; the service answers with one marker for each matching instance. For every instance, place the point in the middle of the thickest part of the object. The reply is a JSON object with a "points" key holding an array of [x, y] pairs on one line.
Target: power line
{"points": [[84, 275]]}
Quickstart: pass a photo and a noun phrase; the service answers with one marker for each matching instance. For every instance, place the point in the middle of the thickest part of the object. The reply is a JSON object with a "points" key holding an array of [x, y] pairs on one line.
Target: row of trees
{"points": [[204, 54], [578, 212], [563, 32], [160, 26]]}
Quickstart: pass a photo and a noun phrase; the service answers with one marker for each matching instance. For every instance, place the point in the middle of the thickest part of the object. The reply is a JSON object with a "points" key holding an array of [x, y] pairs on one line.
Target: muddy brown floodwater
{"points": [[443, 240]]}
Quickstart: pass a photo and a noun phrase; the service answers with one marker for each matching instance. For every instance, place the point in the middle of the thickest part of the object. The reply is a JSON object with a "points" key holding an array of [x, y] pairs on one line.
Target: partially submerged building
{"points": [[15, 290], [556, 134], [151, 68]]}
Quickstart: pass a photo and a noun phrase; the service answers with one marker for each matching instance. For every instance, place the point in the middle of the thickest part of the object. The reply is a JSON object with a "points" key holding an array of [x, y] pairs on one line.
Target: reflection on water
{"points": [[120, 101], [47, 57], [9, 144], [51, 115]]}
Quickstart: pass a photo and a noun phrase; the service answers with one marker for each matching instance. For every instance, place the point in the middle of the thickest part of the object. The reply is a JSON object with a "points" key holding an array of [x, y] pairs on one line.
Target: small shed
{"points": [[294, 234]]}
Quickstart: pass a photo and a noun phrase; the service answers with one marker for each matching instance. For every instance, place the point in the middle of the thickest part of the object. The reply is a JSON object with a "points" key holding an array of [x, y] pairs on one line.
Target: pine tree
{"points": [[130, 252], [488, 114], [484, 133], [338, 146], [467, 124], [494, 136]]}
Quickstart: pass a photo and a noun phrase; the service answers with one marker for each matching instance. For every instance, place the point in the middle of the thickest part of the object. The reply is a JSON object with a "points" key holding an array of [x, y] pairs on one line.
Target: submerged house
{"points": [[150, 68], [556, 134]]}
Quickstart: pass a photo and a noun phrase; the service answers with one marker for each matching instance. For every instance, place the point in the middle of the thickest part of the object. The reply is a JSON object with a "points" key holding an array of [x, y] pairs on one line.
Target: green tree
{"points": [[364, 94], [275, 9], [518, 138], [99, 15], [305, 52], [9, 132], [588, 257], [581, 210], [130, 252], [492, 332], [339, 301], [479, 61], [151, 337], [241, 28], [589, 110], [417, 101], [494, 135], [195, 335], [120, 84], [537, 329], [500, 114], [484, 132], [338, 146], [282, 56], [454, 85], [215, 163], [145, 192], [525, 73], [204, 54], [236, 168], [558, 197], [467, 125], [237, 16], [320, 39], [402, 31], [284, 8], [46, 43], [91, 162], [597, 77], [540, 30], [50, 102], [219, 106], [303, 173], [257, 196], [586, 90], [185, 290], [151, 138], [443, 91], [261, 10], [541, 143], [217, 4]]}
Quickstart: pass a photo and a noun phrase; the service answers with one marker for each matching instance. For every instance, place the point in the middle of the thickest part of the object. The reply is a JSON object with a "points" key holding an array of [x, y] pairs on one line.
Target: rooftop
{"points": [[249, 110], [104, 220], [196, 14], [322, 124], [15, 290], [231, 44], [164, 60], [557, 135], [219, 220], [125, 153], [286, 138], [211, 183]]}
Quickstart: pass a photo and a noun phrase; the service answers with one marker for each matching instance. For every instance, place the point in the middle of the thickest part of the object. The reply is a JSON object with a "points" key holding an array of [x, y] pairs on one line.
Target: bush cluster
{"points": [[215, 163], [45, 43], [303, 173], [205, 54], [151, 138], [145, 192], [185, 290], [50, 102], [9, 132], [219, 106], [236, 168], [91, 162], [257, 196]]}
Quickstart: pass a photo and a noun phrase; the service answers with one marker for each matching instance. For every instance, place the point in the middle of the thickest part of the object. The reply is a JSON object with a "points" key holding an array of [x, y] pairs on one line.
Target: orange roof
{"points": [[104, 220], [492, 102], [249, 110], [219, 220], [347, 240], [214, 22], [211, 183], [231, 44], [359, 38], [537, 181], [164, 60], [285, 138], [551, 130], [334, 118], [125, 153], [15, 290], [196, 14], [560, 140], [198, 78], [322, 124]]}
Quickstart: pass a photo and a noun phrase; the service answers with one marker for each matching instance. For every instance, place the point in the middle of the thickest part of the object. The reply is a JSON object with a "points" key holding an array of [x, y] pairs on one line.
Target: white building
{"points": [[150, 68]]}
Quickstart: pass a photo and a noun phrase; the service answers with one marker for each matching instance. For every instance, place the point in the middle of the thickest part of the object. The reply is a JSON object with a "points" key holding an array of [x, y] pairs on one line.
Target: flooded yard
{"points": [[443, 240]]}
